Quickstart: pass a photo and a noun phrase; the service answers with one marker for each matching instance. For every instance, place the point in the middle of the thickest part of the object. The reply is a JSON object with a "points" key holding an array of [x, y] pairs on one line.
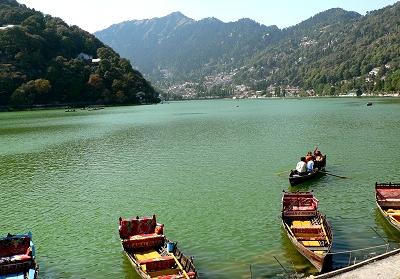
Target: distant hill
{"points": [[176, 46], [44, 61], [332, 52]]}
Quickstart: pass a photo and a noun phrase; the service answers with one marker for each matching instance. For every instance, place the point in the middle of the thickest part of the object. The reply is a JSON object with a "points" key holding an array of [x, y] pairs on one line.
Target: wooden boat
{"points": [[295, 179], [17, 257], [388, 201], [306, 227], [151, 253]]}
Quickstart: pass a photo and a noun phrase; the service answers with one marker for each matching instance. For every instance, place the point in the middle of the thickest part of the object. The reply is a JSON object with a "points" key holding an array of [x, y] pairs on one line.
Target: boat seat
{"points": [[15, 254], [298, 223], [164, 262], [393, 211], [304, 207], [306, 226], [318, 248], [143, 241], [307, 230], [311, 243], [310, 238], [191, 274]]}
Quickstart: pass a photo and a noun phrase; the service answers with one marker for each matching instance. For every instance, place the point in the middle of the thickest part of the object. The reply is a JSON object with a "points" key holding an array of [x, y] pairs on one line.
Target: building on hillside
{"points": [[291, 91], [84, 56], [374, 72], [7, 27]]}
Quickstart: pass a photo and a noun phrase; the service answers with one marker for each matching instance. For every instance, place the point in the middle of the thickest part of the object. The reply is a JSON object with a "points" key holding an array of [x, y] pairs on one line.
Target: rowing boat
{"points": [[17, 257], [388, 201], [306, 227], [295, 179], [151, 254]]}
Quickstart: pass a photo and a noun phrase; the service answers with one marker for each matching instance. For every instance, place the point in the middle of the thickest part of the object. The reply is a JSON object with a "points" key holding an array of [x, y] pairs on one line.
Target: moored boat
{"points": [[151, 253], [306, 227], [387, 197], [17, 257], [295, 179]]}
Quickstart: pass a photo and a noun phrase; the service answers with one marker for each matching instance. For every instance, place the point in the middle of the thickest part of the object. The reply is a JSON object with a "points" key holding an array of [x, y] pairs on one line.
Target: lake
{"points": [[212, 171]]}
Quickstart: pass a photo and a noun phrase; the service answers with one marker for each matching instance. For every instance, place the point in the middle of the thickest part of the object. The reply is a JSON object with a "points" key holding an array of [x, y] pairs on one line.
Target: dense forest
{"points": [[44, 61], [333, 52]]}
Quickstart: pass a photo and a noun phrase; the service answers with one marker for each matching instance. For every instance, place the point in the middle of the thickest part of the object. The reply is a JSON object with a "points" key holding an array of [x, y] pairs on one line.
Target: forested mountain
{"points": [[177, 46], [334, 51], [44, 61]]}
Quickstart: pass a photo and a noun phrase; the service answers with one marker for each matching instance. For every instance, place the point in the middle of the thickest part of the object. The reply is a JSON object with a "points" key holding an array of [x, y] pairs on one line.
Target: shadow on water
{"points": [[299, 263], [127, 268], [318, 181], [390, 234]]}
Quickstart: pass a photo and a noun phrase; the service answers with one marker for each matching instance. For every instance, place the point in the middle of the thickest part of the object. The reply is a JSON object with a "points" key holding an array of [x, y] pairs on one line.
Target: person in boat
{"points": [[301, 167], [318, 158], [310, 165], [309, 156]]}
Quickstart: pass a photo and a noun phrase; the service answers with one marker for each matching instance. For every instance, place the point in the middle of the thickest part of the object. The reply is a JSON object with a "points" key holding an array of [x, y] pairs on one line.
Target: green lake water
{"points": [[207, 169]]}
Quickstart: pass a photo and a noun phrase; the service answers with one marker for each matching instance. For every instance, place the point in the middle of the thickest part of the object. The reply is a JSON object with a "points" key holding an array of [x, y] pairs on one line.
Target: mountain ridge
{"points": [[332, 49]]}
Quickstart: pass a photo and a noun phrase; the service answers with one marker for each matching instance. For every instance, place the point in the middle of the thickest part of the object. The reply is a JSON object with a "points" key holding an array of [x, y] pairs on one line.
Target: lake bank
{"points": [[382, 266]]}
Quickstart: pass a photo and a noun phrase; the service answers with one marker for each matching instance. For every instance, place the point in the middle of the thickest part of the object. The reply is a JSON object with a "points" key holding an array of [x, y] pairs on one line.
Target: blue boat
{"points": [[17, 257]]}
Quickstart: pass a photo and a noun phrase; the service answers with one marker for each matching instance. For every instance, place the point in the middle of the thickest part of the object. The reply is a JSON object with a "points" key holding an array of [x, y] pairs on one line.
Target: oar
{"points": [[328, 173]]}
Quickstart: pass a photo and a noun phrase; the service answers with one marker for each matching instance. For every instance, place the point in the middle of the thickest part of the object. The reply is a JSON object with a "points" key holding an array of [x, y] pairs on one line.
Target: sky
{"points": [[95, 15]]}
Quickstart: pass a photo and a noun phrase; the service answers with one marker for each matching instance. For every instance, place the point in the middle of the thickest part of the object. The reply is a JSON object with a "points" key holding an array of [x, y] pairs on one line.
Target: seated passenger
{"points": [[318, 158], [301, 167], [309, 156], [310, 165]]}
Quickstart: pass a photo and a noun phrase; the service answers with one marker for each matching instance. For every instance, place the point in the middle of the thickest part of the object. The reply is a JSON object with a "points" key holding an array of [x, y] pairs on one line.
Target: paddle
{"points": [[328, 173]]}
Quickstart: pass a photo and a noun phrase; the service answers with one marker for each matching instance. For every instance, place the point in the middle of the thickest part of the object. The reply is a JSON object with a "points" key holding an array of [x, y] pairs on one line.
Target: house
{"points": [[84, 56], [374, 72], [6, 27]]}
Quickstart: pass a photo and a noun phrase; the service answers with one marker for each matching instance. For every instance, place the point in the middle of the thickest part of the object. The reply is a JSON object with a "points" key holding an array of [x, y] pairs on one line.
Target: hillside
{"points": [[177, 47], [333, 52], [44, 61]]}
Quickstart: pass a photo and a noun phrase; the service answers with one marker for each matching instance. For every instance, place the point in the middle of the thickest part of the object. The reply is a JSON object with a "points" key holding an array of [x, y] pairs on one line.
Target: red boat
{"points": [[388, 201], [151, 253], [306, 227], [17, 257]]}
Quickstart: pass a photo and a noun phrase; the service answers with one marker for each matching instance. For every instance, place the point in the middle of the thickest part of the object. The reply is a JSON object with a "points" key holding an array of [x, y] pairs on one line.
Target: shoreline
{"points": [[382, 266]]}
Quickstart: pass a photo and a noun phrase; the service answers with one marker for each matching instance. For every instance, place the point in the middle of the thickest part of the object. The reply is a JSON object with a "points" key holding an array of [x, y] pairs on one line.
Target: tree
{"points": [[32, 92]]}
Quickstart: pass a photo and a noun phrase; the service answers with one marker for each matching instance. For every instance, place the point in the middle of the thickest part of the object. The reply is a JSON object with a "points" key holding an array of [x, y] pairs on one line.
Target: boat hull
{"points": [[387, 197], [185, 262], [296, 180], [306, 227], [315, 260], [318, 172], [17, 246], [387, 217]]}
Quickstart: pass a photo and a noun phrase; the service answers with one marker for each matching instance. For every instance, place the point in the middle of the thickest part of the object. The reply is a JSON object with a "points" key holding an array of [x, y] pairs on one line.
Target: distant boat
{"points": [[17, 257], [151, 253], [295, 179], [369, 104], [306, 227], [387, 197]]}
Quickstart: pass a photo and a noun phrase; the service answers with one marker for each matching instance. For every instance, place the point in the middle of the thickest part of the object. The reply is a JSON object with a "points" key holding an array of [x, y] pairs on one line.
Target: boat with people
{"points": [[17, 257], [306, 227], [304, 171], [388, 202], [151, 253]]}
